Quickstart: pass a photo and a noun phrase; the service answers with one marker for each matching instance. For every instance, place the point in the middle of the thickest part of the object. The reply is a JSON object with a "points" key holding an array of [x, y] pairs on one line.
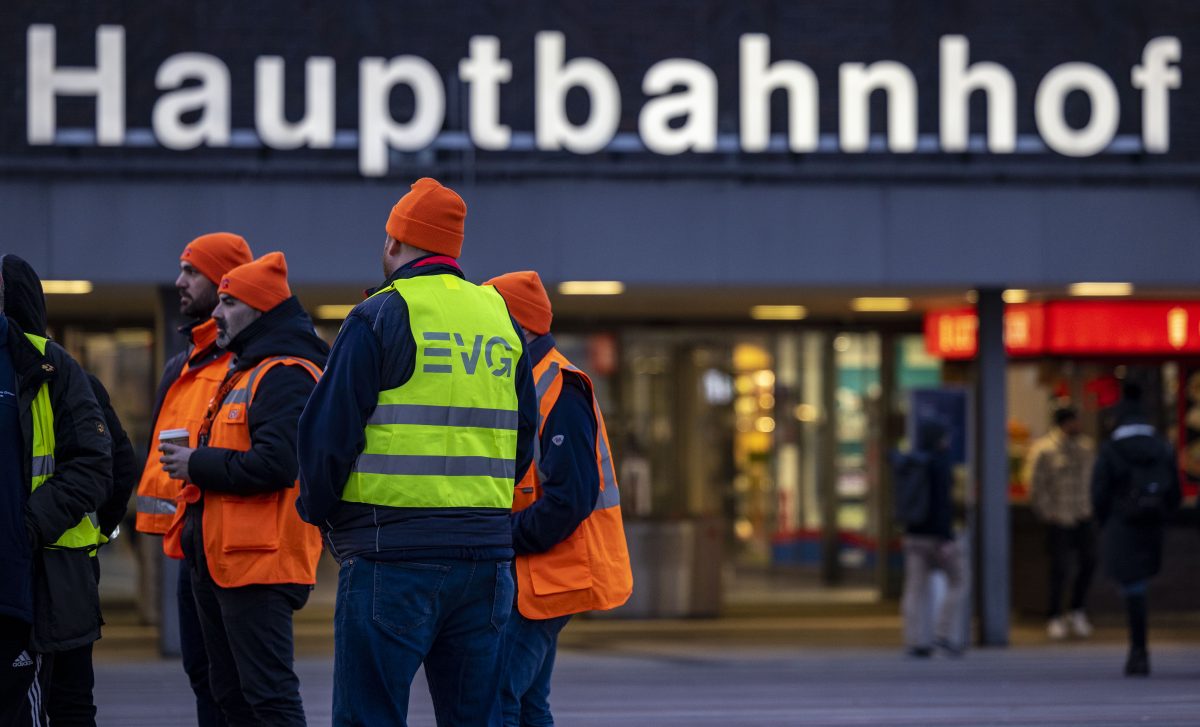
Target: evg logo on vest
{"points": [[469, 352]]}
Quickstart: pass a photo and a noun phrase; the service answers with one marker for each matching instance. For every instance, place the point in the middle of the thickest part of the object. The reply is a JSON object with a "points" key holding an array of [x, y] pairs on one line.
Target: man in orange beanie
{"points": [[566, 520], [252, 561], [189, 381], [409, 450]]}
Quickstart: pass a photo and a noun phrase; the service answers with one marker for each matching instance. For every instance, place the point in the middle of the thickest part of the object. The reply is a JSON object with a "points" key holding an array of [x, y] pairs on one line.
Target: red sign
{"points": [[1074, 328]]}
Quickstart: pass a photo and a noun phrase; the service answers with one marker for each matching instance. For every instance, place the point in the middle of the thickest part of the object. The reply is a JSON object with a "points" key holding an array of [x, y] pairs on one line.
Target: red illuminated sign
{"points": [[1074, 328]]}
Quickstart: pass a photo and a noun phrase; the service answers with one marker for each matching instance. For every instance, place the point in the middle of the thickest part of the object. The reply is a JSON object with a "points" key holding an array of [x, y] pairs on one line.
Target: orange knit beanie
{"points": [[261, 284], [430, 217], [526, 298], [216, 254]]}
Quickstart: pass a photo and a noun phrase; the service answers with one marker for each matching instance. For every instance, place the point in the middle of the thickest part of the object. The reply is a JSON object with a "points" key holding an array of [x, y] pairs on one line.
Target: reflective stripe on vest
{"points": [[590, 569], [86, 535], [183, 407], [446, 438]]}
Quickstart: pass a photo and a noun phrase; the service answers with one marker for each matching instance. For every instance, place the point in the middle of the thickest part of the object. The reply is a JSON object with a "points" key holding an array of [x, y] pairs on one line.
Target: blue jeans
{"points": [[393, 616], [528, 658]]}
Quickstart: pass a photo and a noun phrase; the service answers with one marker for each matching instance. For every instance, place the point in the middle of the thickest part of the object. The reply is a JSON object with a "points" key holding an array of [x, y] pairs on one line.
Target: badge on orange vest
{"points": [[236, 413]]}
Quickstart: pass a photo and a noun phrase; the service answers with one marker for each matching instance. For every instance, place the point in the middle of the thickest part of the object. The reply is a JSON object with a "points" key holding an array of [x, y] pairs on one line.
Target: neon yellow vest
{"points": [[447, 437], [86, 535]]}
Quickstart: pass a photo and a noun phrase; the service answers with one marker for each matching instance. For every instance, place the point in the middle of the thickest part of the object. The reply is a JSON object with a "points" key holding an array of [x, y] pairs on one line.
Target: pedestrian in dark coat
{"points": [[1132, 521], [60, 609], [69, 701]]}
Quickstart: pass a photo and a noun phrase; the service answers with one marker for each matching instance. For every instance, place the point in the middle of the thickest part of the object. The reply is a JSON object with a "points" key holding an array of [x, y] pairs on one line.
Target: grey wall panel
{"points": [[24, 208], [939, 235], [1149, 236], [642, 232]]}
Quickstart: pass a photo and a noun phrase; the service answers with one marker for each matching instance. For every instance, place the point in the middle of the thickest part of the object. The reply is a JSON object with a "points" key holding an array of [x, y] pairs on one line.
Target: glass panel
{"points": [[859, 391]]}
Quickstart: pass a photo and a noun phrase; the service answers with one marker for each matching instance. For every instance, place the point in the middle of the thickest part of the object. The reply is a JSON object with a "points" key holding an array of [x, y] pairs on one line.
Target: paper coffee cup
{"points": [[178, 437]]}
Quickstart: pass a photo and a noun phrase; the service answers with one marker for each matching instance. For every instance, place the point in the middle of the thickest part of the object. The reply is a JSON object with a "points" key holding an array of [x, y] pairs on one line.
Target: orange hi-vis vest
{"points": [[589, 571], [252, 539], [183, 407]]}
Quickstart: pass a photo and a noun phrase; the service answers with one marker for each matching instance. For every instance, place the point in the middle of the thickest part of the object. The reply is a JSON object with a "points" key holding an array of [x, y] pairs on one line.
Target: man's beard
{"points": [[200, 307]]}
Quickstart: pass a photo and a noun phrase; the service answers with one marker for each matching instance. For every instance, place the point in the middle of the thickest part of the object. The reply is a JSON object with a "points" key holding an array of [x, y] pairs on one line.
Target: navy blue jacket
{"points": [[940, 521], [375, 352], [16, 565], [570, 481]]}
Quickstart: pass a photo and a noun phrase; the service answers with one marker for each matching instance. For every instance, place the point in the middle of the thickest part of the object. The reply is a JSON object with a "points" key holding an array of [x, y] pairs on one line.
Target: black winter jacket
{"points": [[940, 520], [25, 303], [66, 602], [270, 463], [1132, 552], [126, 470]]}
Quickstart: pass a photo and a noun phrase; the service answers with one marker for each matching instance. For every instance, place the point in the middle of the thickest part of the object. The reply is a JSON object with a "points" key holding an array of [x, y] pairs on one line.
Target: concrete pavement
{"points": [[673, 675]]}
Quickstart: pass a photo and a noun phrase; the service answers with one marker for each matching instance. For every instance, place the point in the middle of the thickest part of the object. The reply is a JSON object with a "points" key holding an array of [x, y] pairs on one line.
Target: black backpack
{"points": [[1144, 501], [913, 489]]}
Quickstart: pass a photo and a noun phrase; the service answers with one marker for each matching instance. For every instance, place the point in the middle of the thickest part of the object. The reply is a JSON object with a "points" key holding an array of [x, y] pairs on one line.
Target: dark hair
{"points": [[1065, 414], [1131, 391]]}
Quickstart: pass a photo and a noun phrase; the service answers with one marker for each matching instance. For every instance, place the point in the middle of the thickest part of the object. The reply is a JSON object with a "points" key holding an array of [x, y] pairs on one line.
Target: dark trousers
{"points": [[70, 703], [1063, 545], [248, 639], [24, 677], [393, 616], [195, 659], [529, 648]]}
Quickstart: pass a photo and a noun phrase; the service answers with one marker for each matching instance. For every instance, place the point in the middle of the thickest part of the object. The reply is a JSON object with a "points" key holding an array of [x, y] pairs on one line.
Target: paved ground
{"points": [[698, 673]]}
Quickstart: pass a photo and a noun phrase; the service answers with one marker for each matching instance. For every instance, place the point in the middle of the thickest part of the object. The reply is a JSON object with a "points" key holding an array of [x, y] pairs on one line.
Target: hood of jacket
{"points": [[285, 330], [24, 301]]}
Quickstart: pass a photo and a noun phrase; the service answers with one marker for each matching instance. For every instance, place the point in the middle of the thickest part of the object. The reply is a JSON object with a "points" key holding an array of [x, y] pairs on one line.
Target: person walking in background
{"points": [[409, 451], [253, 561], [924, 484], [189, 381], [1060, 473], [69, 699], [55, 473], [568, 536], [1135, 484]]}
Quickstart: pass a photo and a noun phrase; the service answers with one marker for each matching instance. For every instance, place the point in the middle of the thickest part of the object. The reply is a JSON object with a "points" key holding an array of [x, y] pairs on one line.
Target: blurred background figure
{"points": [[1134, 486], [924, 481], [1060, 468]]}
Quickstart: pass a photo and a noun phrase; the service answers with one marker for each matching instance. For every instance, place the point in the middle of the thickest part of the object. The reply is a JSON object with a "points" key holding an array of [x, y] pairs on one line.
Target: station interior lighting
{"points": [[333, 312], [591, 287], [67, 287], [1100, 290], [1014, 296], [881, 305], [778, 312]]}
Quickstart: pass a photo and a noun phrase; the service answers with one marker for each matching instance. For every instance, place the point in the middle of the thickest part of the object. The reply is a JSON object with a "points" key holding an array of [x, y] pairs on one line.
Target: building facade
{"points": [[775, 195]]}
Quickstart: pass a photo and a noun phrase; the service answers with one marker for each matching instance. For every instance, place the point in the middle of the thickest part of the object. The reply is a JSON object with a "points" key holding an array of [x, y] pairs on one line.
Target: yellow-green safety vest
{"points": [[446, 438], [86, 535]]}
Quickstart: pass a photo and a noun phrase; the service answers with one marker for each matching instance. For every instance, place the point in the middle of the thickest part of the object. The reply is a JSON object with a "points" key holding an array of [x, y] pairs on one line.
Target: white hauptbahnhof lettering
{"points": [[680, 115]]}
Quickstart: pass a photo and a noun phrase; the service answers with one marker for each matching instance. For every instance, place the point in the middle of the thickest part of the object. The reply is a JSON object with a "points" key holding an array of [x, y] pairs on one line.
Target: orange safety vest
{"points": [[252, 539], [183, 407], [589, 571]]}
